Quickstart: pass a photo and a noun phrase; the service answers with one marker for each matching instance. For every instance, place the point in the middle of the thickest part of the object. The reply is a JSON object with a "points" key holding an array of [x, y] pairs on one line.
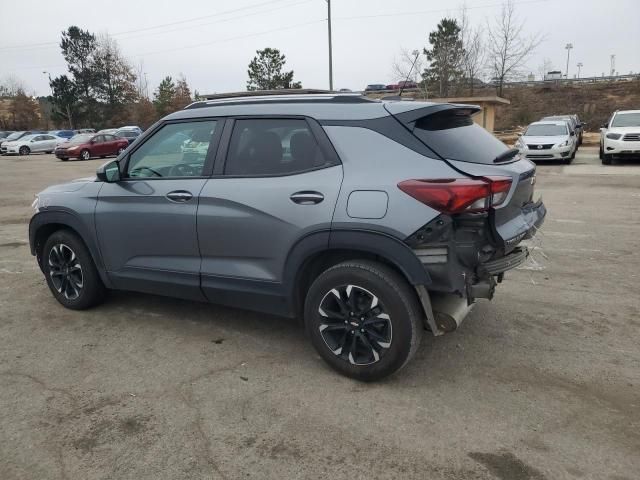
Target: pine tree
{"points": [[445, 55], [265, 71]]}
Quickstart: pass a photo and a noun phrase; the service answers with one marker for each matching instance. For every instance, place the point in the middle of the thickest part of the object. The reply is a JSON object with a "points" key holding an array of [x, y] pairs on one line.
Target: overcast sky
{"points": [[211, 42]]}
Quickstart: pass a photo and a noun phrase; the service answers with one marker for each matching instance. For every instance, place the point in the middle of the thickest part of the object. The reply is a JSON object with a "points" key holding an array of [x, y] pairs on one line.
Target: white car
{"points": [[548, 140], [620, 136], [39, 142]]}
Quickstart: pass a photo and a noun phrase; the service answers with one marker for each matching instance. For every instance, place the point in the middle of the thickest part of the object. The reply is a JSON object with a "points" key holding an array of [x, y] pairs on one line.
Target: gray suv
{"points": [[373, 221]]}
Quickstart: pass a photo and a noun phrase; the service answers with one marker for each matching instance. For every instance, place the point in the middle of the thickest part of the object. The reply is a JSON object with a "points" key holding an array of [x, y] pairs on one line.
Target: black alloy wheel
{"points": [[356, 326], [65, 271]]}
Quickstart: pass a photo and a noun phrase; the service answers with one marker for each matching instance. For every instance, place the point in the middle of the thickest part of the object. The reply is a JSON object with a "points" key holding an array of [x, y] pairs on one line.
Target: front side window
{"points": [[273, 147], [176, 150]]}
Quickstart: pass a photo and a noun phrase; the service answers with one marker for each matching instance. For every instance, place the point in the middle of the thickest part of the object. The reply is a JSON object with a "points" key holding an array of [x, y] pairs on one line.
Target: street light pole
{"points": [[330, 47], [579, 67], [568, 46]]}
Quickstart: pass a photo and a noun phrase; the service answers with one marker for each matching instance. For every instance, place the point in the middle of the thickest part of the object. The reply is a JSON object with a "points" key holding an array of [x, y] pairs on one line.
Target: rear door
{"points": [[146, 223], [276, 180]]}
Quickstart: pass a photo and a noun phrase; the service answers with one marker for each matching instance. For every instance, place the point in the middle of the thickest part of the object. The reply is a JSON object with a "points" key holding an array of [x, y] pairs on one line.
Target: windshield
{"points": [[545, 130], [14, 136], [626, 120], [127, 133], [82, 138]]}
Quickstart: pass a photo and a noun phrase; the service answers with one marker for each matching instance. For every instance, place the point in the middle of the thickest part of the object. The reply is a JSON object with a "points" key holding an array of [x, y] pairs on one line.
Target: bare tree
{"points": [[10, 85], [401, 68], [507, 47], [473, 58], [545, 67]]}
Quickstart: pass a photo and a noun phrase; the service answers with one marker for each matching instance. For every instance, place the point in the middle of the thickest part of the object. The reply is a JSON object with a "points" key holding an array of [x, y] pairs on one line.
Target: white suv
{"points": [[620, 136]]}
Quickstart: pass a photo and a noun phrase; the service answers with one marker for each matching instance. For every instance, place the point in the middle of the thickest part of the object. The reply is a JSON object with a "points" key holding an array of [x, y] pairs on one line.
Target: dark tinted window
{"points": [[109, 138], [273, 147], [452, 134]]}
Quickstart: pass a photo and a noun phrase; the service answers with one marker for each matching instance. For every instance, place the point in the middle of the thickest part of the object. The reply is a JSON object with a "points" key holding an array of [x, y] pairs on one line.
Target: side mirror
{"points": [[605, 125], [109, 172], [573, 134]]}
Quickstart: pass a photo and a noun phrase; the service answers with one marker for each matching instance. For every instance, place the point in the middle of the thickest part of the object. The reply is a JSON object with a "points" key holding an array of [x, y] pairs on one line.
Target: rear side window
{"points": [[273, 147], [453, 135]]}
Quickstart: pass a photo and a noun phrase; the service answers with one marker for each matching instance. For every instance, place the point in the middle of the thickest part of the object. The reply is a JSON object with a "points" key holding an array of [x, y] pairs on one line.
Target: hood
{"points": [[544, 140], [624, 129], [72, 186]]}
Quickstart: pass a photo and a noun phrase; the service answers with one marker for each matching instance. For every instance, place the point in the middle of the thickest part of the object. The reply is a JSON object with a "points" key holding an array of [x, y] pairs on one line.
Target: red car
{"points": [[86, 145]]}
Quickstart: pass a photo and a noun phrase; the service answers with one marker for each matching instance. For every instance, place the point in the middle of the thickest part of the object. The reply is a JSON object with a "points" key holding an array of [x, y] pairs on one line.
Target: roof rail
{"points": [[280, 96]]}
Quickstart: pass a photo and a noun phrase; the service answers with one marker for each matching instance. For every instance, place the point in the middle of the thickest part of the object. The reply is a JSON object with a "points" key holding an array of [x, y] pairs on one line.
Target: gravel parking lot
{"points": [[541, 383]]}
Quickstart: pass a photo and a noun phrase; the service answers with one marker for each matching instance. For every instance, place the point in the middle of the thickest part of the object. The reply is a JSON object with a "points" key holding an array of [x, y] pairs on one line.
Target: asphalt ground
{"points": [[543, 382]]}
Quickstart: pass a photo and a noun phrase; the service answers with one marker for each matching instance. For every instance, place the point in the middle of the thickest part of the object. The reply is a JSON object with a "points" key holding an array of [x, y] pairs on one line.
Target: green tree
{"points": [[78, 48], [445, 55], [163, 96], [265, 71], [64, 99]]}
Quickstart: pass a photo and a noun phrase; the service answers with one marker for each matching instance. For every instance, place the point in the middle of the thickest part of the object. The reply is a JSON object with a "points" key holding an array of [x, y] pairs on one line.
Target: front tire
{"points": [[70, 272], [85, 155], [363, 319], [607, 159], [24, 151]]}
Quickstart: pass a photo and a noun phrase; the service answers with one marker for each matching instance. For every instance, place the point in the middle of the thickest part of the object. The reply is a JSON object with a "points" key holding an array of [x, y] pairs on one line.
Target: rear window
{"points": [[453, 135]]}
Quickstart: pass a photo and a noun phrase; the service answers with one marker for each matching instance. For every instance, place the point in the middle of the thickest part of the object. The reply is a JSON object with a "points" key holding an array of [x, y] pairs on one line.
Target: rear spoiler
{"points": [[408, 114]]}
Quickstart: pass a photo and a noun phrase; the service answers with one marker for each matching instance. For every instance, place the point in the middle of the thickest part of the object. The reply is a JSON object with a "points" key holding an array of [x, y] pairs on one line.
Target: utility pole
{"points": [[568, 46], [613, 65], [330, 47], [579, 67]]}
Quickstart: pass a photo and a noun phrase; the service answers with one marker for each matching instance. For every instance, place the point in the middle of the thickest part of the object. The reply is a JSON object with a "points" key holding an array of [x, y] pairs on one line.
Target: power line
{"points": [[419, 12], [153, 27]]}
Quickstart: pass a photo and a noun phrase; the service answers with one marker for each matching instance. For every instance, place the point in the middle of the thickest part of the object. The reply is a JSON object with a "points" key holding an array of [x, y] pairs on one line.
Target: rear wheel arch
{"points": [[318, 252]]}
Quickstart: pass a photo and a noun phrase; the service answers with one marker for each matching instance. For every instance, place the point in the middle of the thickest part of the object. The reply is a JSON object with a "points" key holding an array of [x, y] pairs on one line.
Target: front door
{"points": [[146, 223], [279, 182]]}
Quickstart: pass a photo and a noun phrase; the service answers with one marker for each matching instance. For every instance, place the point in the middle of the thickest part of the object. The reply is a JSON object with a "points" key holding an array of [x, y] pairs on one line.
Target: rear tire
{"points": [[24, 151], [363, 319], [70, 272], [85, 155]]}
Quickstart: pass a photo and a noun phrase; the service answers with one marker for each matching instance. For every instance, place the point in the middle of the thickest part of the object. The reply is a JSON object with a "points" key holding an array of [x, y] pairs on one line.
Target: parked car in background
{"points": [[375, 87], [129, 134], [548, 140], [87, 145], [392, 86], [63, 133], [16, 136], [86, 130], [5, 134], [27, 144], [574, 124], [110, 131], [384, 219], [620, 136]]}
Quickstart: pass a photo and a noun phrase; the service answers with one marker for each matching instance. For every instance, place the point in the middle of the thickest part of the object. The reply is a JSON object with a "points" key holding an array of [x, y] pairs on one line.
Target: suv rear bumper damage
{"points": [[466, 261]]}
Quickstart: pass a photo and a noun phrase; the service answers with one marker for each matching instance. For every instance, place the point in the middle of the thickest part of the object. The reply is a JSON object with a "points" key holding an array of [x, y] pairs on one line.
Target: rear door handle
{"points": [[179, 196], [307, 197]]}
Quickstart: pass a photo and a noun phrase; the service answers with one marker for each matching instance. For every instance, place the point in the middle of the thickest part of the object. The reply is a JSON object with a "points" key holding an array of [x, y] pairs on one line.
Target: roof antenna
{"points": [[417, 54]]}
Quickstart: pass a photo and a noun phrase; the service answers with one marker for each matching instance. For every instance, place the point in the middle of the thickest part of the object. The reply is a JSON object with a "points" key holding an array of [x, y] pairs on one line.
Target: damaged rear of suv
{"points": [[373, 221]]}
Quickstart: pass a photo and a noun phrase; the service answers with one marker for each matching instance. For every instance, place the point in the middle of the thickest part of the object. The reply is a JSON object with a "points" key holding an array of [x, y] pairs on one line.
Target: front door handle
{"points": [[179, 196], [307, 197]]}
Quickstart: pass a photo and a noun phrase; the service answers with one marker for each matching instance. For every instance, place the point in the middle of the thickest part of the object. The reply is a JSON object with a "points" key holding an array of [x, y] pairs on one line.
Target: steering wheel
{"points": [[183, 170], [139, 169]]}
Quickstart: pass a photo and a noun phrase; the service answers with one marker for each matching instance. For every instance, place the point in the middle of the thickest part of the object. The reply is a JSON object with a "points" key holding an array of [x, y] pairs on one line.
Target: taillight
{"points": [[457, 195]]}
